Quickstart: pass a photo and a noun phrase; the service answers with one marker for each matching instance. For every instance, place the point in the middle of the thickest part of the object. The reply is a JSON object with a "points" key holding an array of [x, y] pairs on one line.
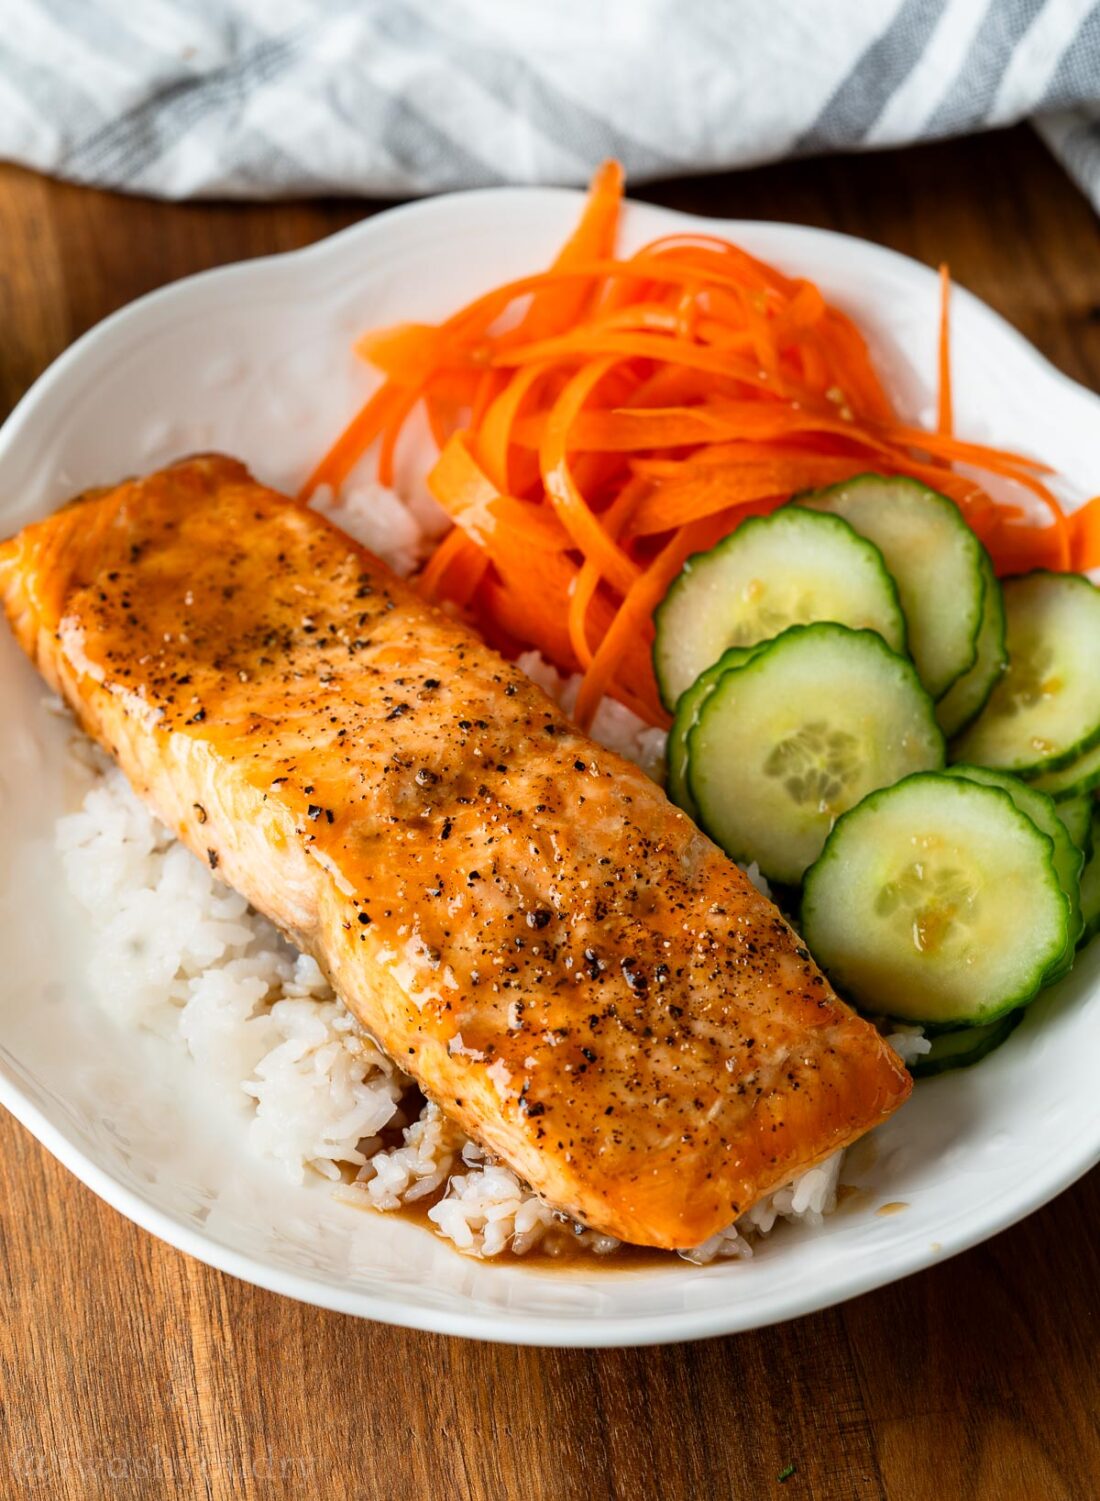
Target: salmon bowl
{"points": [[251, 360]]}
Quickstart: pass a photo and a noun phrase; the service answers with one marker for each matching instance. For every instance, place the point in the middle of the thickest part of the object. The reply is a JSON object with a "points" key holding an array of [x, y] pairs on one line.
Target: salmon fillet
{"points": [[577, 976]]}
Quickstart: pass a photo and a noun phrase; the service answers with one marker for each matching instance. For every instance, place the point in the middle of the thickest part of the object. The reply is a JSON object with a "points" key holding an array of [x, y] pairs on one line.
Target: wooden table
{"points": [[127, 1369]]}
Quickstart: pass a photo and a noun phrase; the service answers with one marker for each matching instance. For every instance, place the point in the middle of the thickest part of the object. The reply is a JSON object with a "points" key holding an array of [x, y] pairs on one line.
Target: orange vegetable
{"points": [[621, 512], [1084, 527], [635, 618], [356, 438], [557, 308], [573, 510], [599, 421], [584, 346], [455, 569], [475, 504], [945, 421], [495, 434], [679, 501]]}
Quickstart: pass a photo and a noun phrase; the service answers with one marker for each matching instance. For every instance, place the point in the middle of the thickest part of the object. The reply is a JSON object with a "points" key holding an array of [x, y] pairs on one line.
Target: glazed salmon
{"points": [[578, 977]]}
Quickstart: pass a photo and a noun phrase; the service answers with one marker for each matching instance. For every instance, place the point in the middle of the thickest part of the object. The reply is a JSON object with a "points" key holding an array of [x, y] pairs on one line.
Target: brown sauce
{"points": [[850, 1199], [558, 1251]]}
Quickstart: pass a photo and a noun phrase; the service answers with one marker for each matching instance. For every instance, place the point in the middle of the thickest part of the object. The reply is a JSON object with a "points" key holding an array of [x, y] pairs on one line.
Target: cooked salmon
{"points": [[578, 977]]}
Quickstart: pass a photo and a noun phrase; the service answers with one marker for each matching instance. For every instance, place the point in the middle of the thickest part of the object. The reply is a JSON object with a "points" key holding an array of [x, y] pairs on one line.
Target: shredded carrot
{"points": [[1085, 533], [455, 569], [494, 436], [945, 419], [980, 455], [462, 488], [634, 618], [400, 410], [558, 308], [404, 352], [583, 347], [620, 512], [600, 420], [353, 442], [693, 498], [488, 518], [573, 510]]}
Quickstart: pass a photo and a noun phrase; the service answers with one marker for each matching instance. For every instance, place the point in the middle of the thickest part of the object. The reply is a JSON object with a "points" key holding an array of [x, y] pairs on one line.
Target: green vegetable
{"points": [[1076, 814], [1090, 882], [1075, 780], [1044, 713], [1068, 859], [968, 695], [937, 901], [790, 568], [964, 1046], [687, 712], [935, 560], [791, 738]]}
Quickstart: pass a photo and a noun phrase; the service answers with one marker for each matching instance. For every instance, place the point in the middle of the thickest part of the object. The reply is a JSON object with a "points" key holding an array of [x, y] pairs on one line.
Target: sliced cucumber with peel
{"points": [[1044, 713], [937, 901], [1075, 780], [936, 562], [964, 1046], [788, 741], [793, 567], [968, 696], [1090, 882], [1068, 859], [687, 711], [1076, 813]]}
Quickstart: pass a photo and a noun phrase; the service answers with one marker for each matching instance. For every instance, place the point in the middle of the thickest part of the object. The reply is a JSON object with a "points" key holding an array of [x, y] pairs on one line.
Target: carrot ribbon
{"points": [[599, 421]]}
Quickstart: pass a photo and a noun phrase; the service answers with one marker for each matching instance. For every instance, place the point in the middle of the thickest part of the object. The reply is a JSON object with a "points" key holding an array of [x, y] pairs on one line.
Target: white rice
{"points": [[909, 1043], [614, 726], [176, 951], [381, 521]]}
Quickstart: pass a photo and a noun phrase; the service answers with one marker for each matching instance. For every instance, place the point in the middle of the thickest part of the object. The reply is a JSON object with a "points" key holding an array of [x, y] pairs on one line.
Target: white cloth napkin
{"points": [[265, 98]]}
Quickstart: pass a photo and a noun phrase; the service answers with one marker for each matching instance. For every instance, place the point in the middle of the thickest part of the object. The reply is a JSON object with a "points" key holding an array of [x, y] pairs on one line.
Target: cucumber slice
{"points": [[687, 711], [937, 901], [967, 1045], [1076, 814], [788, 741], [790, 568], [936, 561], [1090, 882], [1076, 779], [967, 697], [1045, 711], [1068, 859]]}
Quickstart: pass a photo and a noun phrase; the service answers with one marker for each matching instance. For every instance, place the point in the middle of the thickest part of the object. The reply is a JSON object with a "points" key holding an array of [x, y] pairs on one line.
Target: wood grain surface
{"points": [[127, 1369]]}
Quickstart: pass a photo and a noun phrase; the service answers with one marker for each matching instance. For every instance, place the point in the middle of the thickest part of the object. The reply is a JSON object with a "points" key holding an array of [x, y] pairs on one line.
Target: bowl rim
{"points": [[499, 1325]]}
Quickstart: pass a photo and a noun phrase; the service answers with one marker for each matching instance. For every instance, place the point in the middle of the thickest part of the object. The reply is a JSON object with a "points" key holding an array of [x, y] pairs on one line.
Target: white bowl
{"points": [[255, 359]]}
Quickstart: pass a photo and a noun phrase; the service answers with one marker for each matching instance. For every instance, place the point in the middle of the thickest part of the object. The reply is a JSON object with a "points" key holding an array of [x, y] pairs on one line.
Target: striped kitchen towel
{"points": [[263, 98]]}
